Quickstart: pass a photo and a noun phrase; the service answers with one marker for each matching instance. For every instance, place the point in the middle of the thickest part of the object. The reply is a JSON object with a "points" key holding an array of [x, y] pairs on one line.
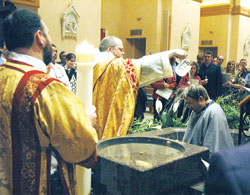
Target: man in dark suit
{"points": [[229, 171], [211, 76]]}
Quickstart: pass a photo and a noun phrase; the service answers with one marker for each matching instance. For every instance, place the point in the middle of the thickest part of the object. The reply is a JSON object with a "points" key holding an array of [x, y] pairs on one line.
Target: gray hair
{"points": [[109, 41], [195, 91]]}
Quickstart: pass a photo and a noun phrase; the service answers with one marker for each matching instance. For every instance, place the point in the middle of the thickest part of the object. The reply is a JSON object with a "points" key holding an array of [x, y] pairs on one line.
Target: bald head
{"points": [[220, 60]]}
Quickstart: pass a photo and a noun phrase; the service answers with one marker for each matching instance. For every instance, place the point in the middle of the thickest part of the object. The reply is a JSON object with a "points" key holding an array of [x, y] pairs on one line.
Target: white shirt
{"points": [[2, 60], [39, 64], [58, 71]]}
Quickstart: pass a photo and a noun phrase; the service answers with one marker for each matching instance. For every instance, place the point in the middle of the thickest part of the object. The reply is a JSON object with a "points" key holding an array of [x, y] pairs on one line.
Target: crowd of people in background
{"points": [[64, 70], [208, 71]]}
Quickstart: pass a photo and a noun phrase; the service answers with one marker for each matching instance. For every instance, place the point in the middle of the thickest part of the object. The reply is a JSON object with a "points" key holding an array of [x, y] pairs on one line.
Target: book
{"points": [[165, 93]]}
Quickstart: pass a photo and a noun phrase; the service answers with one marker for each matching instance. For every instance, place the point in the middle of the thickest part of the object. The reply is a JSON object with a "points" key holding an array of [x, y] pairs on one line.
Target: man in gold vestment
{"points": [[39, 115], [116, 83]]}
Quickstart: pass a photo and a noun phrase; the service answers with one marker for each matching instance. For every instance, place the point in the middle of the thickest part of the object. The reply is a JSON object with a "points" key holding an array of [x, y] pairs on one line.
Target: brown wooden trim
{"points": [[200, 1], [33, 3], [214, 10], [224, 9], [238, 10]]}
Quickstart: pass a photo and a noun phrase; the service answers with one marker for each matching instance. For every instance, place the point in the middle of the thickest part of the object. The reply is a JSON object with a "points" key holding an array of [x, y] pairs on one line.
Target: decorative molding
{"points": [[200, 1], [33, 3], [224, 9], [214, 10], [238, 10], [70, 21]]}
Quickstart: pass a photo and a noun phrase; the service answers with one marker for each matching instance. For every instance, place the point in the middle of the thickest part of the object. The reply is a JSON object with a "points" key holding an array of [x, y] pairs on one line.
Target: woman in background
{"points": [[190, 78], [230, 67], [70, 68], [233, 86]]}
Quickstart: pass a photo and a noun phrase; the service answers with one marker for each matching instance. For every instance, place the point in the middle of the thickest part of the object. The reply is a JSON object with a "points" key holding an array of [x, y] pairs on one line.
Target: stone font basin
{"points": [[147, 165], [141, 153]]}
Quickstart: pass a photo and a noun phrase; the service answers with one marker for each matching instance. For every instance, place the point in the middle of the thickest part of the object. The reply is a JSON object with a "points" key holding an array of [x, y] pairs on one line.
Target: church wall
{"points": [[89, 22], [244, 33], [141, 14], [227, 25], [111, 17], [150, 17], [216, 28], [185, 12], [119, 17], [245, 3], [234, 37], [166, 24]]}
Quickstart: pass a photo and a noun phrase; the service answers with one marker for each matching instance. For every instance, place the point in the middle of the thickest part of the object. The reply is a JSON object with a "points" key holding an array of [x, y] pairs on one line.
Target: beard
{"points": [[47, 53]]}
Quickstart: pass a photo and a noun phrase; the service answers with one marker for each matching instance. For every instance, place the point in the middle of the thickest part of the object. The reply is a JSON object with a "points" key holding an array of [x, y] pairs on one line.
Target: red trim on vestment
{"points": [[17, 138], [14, 68], [132, 77], [21, 85], [41, 86]]}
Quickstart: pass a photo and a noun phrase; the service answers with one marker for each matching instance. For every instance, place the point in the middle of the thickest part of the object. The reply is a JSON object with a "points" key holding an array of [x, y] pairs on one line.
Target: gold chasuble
{"points": [[115, 87], [39, 115]]}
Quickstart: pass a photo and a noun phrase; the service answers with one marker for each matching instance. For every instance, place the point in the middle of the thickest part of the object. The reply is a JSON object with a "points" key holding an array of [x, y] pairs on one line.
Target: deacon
{"points": [[116, 83], [36, 119]]}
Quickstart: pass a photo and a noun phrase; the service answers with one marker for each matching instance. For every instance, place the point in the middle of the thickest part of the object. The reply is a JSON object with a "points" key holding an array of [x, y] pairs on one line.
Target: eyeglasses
{"points": [[207, 56], [121, 49]]}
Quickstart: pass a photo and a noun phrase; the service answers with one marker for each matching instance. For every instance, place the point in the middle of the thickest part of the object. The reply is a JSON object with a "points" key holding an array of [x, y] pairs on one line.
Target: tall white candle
{"points": [[85, 62]]}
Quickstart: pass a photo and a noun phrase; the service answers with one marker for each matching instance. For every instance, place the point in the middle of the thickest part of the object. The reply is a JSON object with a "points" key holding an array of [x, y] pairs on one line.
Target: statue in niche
{"points": [[70, 22], [185, 38], [247, 47]]}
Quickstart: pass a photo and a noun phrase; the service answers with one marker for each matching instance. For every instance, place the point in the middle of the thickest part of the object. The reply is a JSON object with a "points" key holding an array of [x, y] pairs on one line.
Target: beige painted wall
{"points": [[244, 33], [89, 25], [216, 28], [111, 17], [141, 14], [185, 13], [245, 3], [234, 38], [121, 16], [228, 33], [148, 16]]}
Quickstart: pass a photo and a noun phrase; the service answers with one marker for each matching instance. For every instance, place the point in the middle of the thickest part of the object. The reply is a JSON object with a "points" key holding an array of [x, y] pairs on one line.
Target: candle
{"points": [[85, 82], [85, 61]]}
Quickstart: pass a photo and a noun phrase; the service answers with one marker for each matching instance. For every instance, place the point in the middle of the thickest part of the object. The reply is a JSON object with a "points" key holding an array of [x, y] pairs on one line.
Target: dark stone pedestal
{"points": [[175, 177]]}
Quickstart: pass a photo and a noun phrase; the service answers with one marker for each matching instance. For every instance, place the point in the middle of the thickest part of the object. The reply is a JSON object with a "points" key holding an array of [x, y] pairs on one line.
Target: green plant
{"points": [[227, 103], [140, 125], [165, 121], [170, 121], [229, 106]]}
